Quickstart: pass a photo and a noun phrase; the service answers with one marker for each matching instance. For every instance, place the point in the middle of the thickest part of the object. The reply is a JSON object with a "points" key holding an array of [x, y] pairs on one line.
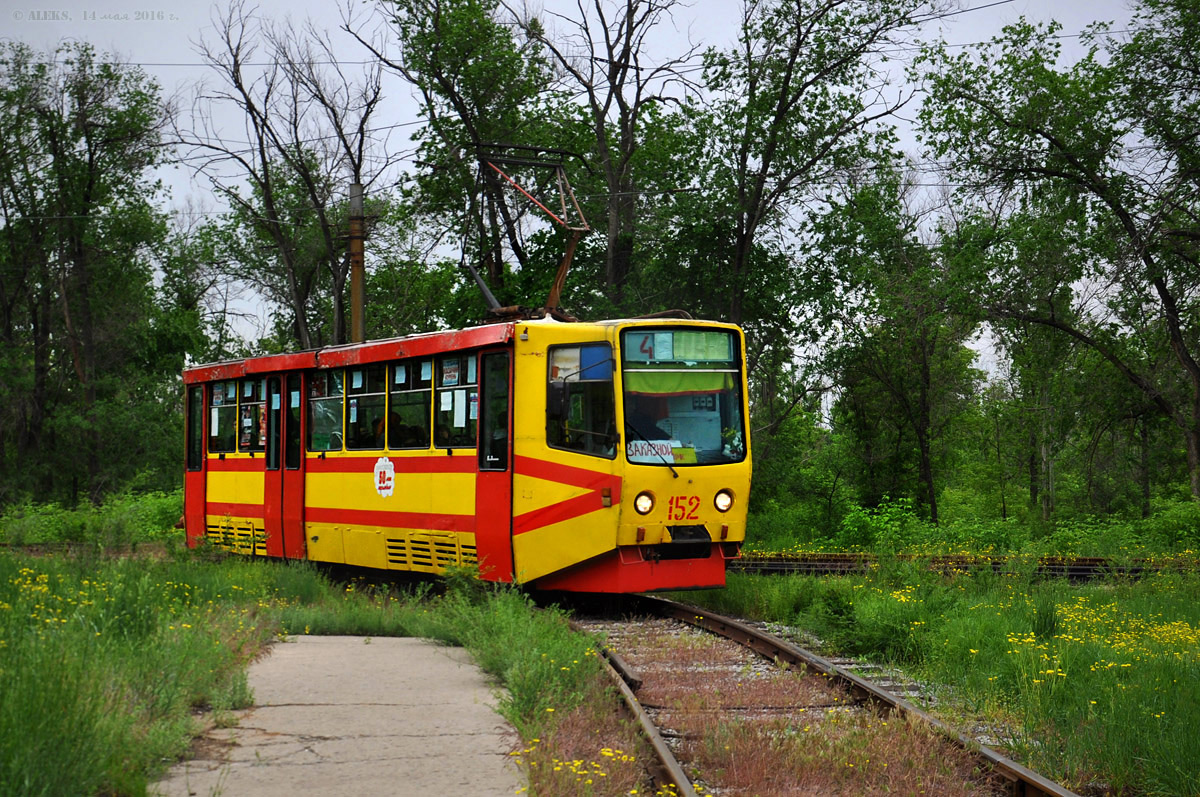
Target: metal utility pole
{"points": [[358, 320]]}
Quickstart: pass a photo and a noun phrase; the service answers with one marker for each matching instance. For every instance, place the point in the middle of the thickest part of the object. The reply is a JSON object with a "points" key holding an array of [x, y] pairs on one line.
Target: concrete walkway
{"points": [[357, 716]]}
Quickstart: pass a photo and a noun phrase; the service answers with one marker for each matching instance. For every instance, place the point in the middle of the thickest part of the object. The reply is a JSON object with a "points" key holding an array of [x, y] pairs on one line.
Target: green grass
{"points": [[1099, 682], [84, 648], [103, 660]]}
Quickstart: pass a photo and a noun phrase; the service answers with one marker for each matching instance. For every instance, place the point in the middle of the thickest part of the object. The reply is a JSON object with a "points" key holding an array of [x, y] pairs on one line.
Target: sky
{"points": [[161, 35]]}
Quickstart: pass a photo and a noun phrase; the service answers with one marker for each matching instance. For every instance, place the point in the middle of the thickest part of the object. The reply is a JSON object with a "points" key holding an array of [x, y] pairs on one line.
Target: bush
{"points": [[887, 528], [779, 528], [121, 520], [1173, 527]]}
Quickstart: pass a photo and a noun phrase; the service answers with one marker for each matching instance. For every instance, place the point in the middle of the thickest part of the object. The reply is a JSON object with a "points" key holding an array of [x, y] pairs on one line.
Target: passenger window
{"points": [[252, 422], [274, 416], [410, 404], [456, 405], [222, 418], [195, 427], [366, 405], [580, 407], [325, 411], [292, 425], [493, 440]]}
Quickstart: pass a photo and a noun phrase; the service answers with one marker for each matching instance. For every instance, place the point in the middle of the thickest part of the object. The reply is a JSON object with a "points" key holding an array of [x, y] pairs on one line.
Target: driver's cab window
{"points": [[580, 407]]}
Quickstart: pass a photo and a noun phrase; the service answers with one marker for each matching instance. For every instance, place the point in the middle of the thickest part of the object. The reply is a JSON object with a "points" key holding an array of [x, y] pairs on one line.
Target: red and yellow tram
{"points": [[595, 457]]}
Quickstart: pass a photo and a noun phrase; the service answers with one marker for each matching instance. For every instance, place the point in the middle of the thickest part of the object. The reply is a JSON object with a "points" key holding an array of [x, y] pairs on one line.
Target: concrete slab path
{"points": [[357, 716]]}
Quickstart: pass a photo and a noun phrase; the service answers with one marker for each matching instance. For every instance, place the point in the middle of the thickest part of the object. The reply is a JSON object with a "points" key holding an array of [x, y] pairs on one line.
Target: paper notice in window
{"points": [[214, 423], [651, 451], [460, 408], [447, 401]]}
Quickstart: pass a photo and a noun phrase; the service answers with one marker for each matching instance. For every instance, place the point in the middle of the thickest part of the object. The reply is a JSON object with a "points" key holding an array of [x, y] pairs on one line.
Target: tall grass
{"points": [[1100, 683], [102, 660]]}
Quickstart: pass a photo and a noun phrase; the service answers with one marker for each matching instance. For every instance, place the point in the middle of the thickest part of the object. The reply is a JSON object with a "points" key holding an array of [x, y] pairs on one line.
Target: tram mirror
{"points": [[556, 401]]}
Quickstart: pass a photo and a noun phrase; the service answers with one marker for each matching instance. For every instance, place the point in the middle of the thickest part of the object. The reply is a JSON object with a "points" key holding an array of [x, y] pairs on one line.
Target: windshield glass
{"points": [[683, 403]]}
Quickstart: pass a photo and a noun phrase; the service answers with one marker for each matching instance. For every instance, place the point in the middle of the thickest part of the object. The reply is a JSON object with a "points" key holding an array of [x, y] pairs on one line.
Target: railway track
{"points": [[1072, 568], [731, 709]]}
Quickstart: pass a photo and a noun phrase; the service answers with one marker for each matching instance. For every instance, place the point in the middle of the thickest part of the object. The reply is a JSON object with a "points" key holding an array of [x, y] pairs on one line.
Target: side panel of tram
{"points": [[397, 455], [361, 455]]}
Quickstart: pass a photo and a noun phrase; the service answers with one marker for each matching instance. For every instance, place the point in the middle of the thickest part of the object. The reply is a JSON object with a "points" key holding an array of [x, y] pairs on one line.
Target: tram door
{"points": [[283, 497], [293, 468], [493, 486], [272, 478]]}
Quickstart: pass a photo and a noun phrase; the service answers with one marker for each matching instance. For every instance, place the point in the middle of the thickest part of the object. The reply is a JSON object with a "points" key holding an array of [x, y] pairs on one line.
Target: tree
{"points": [[84, 336], [309, 131], [602, 58], [1109, 141], [902, 364], [792, 108], [479, 87]]}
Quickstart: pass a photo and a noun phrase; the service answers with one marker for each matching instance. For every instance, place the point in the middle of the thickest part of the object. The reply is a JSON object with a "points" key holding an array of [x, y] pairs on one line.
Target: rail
{"points": [[1072, 568], [1022, 781]]}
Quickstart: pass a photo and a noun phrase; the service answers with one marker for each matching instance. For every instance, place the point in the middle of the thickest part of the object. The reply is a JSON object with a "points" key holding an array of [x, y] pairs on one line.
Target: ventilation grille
{"points": [[429, 553], [238, 536]]}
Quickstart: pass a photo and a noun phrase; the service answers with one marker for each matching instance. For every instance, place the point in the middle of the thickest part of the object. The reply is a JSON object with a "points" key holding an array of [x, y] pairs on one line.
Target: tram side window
{"points": [[195, 427], [366, 404], [411, 404], [291, 444], [456, 406], [325, 410], [251, 420], [580, 407], [222, 418]]}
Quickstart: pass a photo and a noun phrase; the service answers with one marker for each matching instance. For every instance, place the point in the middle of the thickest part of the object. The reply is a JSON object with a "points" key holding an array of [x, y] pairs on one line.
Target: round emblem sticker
{"points": [[385, 476]]}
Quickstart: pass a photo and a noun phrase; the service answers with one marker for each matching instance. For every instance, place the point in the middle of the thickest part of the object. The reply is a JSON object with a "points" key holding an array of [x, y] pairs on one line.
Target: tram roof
{"points": [[417, 345]]}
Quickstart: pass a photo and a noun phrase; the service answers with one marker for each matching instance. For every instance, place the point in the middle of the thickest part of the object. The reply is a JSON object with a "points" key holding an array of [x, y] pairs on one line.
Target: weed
{"points": [[1102, 679]]}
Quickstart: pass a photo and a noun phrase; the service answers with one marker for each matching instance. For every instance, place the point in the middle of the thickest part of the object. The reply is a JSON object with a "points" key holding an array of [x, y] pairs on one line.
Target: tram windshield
{"points": [[683, 403]]}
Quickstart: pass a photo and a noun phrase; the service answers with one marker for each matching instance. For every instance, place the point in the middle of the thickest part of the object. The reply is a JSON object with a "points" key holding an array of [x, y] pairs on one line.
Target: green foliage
{"points": [[91, 350], [1079, 210], [121, 520], [1174, 527], [892, 526], [895, 528], [83, 647]]}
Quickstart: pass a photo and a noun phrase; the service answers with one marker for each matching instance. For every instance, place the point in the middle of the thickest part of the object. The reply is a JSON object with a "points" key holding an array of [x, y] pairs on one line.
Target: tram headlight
{"points": [[723, 500], [644, 503]]}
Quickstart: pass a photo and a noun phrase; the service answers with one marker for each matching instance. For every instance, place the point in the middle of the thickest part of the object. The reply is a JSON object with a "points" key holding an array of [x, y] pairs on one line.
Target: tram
{"points": [[592, 457]]}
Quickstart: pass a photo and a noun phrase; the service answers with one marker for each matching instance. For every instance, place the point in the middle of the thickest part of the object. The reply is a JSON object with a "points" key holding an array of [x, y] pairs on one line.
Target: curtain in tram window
{"points": [[677, 382]]}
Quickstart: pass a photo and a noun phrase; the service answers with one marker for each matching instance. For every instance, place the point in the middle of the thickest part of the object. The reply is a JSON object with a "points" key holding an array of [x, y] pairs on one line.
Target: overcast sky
{"points": [[160, 35]]}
